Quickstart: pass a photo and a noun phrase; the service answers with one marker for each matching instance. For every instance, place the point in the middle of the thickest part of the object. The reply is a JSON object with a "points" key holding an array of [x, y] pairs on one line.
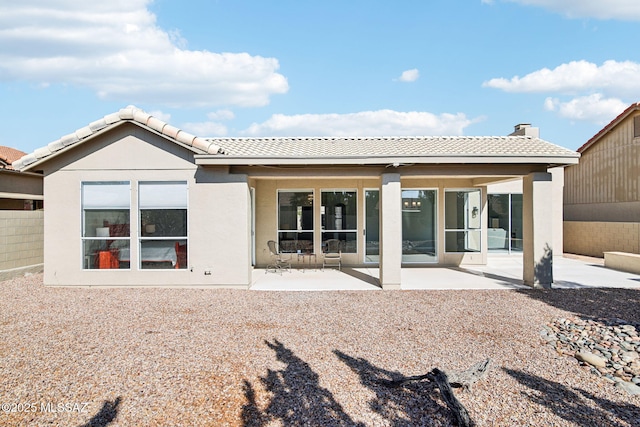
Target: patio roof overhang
{"points": [[388, 161]]}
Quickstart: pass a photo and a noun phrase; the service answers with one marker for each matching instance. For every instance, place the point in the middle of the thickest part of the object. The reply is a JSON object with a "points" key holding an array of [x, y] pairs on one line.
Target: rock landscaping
{"points": [[610, 350]]}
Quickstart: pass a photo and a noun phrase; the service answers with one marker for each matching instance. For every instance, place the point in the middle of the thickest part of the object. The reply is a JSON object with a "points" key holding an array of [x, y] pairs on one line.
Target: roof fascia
{"points": [[615, 122], [206, 160]]}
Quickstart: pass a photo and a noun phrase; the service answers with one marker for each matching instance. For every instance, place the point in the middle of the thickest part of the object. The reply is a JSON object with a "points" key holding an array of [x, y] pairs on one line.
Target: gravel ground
{"points": [[146, 357]]}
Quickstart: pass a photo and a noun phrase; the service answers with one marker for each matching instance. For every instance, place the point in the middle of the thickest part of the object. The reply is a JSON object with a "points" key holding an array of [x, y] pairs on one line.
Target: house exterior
{"points": [[602, 192], [139, 202]]}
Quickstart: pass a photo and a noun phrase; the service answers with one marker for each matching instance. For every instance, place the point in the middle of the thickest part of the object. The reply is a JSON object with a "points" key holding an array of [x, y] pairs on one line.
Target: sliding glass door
{"points": [[419, 230]]}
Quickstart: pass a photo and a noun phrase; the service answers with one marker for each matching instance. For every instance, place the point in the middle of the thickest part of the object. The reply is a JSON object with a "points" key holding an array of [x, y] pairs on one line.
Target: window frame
{"points": [[142, 227], [436, 201], [311, 231], [466, 229], [353, 231], [89, 259]]}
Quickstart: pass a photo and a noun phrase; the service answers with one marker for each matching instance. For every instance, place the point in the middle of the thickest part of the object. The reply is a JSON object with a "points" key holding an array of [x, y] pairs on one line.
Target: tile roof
{"points": [[630, 109], [344, 148], [9, 155], [128, 114], [429, 146]]}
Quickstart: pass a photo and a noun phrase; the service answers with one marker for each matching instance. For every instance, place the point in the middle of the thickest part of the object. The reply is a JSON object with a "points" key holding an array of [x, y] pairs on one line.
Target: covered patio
{"points": [[501, 272]]}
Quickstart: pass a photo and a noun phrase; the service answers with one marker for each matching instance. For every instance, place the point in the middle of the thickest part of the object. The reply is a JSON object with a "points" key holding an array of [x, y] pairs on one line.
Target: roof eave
{"points": [[602, 132], [222, 160], [100, 132]]}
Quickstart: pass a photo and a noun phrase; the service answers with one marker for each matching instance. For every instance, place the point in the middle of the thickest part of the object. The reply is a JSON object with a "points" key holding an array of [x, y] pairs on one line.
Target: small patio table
{"points": [[308, 255]]}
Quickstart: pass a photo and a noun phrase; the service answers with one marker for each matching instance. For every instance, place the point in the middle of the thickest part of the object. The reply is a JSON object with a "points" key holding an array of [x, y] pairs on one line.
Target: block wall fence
{"points": [[594, 238], [21, 242]]}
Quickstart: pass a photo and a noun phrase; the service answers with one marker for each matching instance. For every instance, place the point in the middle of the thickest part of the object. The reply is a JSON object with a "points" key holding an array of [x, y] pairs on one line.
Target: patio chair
{"points": [[333, 254], [278, 261]]}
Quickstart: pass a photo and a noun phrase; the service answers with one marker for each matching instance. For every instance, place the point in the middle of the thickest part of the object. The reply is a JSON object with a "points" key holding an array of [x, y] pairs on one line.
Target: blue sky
{"points": [[319, 67]]}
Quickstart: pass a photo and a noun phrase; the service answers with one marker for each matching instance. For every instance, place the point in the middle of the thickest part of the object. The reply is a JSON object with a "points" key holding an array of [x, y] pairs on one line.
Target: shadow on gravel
{"points": [[572, 405], [296, 396], [106, 416], [593, 303], [409, 405]]}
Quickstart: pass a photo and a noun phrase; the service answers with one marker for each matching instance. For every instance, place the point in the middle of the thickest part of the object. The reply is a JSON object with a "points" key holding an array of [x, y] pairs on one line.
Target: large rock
{"points": [[629, 387], [591, 359]]}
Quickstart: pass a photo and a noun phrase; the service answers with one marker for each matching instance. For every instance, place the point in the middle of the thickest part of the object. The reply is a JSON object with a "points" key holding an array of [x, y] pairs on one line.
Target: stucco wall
{"points": [[21, 239], [218, 212], [594, 238]]}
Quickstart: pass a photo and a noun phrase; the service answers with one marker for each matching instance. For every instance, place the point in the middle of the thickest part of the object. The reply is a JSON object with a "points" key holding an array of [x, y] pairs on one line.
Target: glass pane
{"points": [[163, 222], [106, 254], [291, 241], [372, 226], [348, 240], [339, 210], [419, 226], [163, 254], [498, 227], [109, 195], [163, 195], [462, 209], [106, 223], [516, 222], [462, 241], [295, 210]]}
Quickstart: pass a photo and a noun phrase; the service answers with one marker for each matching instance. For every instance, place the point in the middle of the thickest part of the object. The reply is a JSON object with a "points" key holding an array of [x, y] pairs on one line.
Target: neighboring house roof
{"points": [[9, 155], [631, 109], [371, 150], [129, 114]]}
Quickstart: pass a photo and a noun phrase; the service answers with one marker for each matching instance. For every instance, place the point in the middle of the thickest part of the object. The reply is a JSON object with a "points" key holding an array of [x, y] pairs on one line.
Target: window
{"points": [[163, 225], [106, 239], [462, 210], [636, 127], [295, 221], [339, 211], [504, 231], [419, 226]]}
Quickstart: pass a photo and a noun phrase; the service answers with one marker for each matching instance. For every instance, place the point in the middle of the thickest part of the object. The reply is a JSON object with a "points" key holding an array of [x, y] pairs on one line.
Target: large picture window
{"points": [[339, 212], [295, 221], [106, 238], [462, 210], [163, 225], [419, 226]]}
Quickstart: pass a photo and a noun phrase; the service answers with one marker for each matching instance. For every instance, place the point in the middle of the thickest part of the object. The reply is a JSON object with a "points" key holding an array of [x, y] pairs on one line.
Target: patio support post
{"points": [[537, 230], [390, 231]]}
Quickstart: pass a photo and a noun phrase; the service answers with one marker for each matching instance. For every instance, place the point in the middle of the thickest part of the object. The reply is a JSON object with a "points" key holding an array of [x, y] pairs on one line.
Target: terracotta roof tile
{"points": [[9, 155]]}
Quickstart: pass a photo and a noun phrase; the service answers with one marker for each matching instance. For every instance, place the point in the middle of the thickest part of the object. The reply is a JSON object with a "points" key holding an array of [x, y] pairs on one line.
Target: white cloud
{"points": [[116, 49], [212, 127], [593, 108], [612, 77], [598, 92], [366, 123], [205, 129], [625, 10], [410, 75], [221, 115]]}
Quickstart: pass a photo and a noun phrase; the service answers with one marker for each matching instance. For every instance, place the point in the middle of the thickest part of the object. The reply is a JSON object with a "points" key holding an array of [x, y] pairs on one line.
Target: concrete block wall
{"points": [[594, 238], [21, 241]]}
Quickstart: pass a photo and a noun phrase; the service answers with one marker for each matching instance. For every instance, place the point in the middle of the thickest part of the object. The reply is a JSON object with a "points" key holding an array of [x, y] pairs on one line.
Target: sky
{"points": [[252, 68]]}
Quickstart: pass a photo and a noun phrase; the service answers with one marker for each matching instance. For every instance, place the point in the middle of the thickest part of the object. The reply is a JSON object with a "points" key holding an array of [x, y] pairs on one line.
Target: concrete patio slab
{"points": [[501, 272]]}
